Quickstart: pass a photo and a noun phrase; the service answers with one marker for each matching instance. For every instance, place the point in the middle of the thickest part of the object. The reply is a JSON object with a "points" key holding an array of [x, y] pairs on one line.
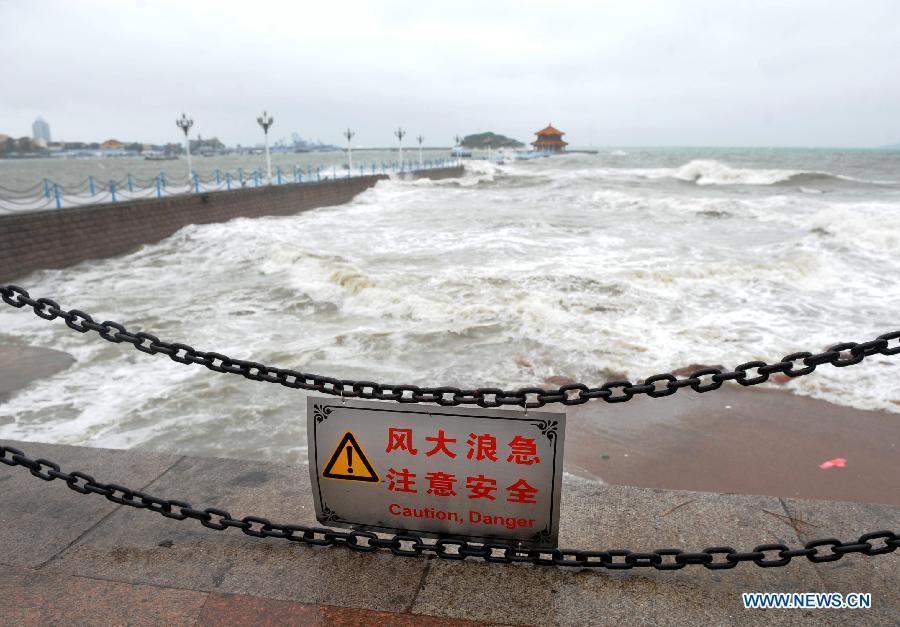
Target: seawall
{"points": [[59, 238]]}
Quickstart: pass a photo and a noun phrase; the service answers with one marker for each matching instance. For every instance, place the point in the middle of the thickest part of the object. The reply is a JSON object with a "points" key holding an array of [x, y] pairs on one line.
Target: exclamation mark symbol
{"points": [[349, 460]]}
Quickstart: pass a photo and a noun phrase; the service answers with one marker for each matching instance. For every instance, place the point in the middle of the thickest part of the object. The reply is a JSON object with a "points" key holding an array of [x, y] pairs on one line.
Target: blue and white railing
{"points": [[51, 195]]}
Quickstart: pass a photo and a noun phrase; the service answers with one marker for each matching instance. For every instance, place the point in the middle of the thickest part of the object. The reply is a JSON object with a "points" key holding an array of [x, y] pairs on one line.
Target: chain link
{"points": [[656, 386], [411, 545]]}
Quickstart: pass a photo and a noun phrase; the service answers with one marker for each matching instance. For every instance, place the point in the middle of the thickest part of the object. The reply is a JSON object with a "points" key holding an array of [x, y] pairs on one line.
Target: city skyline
{"points": [[616, 74]]}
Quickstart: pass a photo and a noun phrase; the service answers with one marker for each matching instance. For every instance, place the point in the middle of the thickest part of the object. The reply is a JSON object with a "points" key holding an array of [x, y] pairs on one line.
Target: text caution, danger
{"points": [[477, 474]]}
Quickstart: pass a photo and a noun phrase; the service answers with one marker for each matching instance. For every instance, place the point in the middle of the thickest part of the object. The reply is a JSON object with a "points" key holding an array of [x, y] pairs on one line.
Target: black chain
{"points": [[410, 545], [657, 386]]}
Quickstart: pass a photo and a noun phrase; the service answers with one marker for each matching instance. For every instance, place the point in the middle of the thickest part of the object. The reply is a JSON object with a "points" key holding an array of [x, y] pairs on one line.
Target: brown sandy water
{"points": [[732, 440], [740, 440]]}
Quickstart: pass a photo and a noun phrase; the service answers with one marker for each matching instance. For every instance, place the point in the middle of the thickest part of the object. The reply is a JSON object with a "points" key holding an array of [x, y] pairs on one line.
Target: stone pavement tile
{"points": [[603, 517], [29, 597], [854, 572], [237, 609], [140, 546], [38, 519]]}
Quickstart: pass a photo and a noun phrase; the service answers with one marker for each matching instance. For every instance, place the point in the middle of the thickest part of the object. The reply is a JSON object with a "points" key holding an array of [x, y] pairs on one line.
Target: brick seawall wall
{"points": [[62, 237]]}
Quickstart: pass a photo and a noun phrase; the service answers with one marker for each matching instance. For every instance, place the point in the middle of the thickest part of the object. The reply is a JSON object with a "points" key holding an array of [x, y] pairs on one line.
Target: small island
{"points": [[489, 140]]}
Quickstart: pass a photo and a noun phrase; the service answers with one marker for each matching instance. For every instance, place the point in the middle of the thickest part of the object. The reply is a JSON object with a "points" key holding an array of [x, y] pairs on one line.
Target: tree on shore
{"points": [[489, 139]]}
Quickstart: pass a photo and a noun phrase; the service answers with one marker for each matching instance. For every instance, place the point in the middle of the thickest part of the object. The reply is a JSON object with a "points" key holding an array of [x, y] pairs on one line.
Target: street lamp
{"points": [[399, 134], [265, 121], [185, 123], [420, 139], [349, 135], [459, 150]]}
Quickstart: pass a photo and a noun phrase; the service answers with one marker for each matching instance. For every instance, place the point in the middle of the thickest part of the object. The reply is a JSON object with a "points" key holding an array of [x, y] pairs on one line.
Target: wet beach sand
{"points": [[740, 440], [732, 440]]}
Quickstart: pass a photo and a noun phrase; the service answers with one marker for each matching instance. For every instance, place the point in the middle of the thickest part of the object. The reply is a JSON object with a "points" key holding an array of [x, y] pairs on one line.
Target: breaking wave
{"points": [[712, 172]]}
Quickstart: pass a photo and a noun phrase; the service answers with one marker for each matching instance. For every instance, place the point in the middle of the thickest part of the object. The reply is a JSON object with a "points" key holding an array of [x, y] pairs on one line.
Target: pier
{"points": [[58, 238]]}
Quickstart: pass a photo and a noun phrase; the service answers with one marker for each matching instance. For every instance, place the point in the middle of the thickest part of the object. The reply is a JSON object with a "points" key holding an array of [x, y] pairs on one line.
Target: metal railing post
{"points": [[228, 180], [91, 185], [130, 183], [196, 183], [158, 186], [278, 174], [112, 190], [56, 193], [46, 188]]}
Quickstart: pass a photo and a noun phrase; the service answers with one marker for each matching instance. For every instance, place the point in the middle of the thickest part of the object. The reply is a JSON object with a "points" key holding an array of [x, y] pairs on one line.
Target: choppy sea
{"points": [[632, 261]]}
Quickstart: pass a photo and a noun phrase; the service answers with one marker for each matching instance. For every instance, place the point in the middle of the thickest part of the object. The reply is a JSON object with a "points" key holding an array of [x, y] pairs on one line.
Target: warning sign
{"points": [[349, 462], [477, 474]]}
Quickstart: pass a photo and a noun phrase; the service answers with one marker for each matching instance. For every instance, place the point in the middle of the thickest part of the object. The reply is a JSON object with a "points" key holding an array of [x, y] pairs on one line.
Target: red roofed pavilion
{"points": [[549, 140]]}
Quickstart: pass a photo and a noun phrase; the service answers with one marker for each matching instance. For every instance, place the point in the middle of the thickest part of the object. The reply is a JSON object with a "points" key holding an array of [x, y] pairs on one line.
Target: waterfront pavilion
{"points": [[549, 139]]}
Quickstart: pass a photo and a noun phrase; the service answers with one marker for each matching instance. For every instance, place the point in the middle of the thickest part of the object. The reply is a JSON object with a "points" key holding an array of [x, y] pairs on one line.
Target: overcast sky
{"points": [[755, 73]]}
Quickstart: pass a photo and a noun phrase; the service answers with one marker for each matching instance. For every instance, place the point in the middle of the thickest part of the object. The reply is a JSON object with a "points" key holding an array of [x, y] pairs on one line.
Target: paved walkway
{"points": [[81, 559]]}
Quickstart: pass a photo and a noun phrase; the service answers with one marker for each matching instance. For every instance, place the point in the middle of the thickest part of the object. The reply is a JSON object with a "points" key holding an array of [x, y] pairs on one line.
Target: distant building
{"points": [[112, 144], [40, 131], [549, 140]]}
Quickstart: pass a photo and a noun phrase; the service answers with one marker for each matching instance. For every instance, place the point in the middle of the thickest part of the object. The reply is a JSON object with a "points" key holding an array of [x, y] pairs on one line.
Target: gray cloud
{"points": [[648, 73]]}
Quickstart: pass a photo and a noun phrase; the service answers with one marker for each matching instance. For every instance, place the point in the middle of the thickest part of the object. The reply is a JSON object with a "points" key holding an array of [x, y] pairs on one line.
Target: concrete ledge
{"points": [[50, 535]]}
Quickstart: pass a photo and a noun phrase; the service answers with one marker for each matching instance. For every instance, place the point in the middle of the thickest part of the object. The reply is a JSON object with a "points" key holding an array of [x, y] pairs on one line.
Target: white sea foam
{"points": [[510, 275]]}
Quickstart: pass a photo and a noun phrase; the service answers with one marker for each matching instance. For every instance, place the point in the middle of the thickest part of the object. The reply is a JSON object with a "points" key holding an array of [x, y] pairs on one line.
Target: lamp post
{"points": [[458, 141], [185, 123], [349, 135], [399, 134], [265, 121], [420, 139]]}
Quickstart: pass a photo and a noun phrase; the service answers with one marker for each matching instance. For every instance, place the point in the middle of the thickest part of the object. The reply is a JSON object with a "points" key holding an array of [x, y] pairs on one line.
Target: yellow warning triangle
{"points": [[349, 462]]}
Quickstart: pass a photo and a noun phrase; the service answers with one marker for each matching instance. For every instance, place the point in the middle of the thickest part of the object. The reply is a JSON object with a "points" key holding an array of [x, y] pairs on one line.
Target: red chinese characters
{"points": [[441, 484], [401, 480], [521, 492], [482, 447], [400, 440], [441, 442], [523, 451], [481, 487]]}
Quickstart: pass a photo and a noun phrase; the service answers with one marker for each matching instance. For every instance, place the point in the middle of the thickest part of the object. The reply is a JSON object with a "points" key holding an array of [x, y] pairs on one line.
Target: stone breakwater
{"points": [[63, 237]]}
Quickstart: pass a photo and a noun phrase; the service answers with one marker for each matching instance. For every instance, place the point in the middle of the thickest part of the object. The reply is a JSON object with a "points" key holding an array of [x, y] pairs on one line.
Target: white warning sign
{"points": [[476, 474]]}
